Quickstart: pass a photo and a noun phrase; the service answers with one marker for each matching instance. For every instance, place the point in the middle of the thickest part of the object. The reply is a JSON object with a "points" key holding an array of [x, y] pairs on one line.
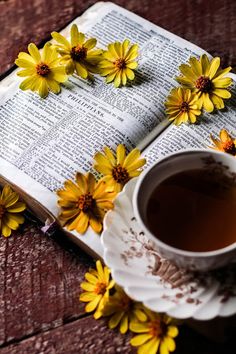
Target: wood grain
{"points": [[40, 276], [39, 283], [87, 336]]}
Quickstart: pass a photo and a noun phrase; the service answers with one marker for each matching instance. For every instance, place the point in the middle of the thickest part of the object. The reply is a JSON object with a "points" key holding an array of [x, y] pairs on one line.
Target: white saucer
{"points": [[145, 276]]}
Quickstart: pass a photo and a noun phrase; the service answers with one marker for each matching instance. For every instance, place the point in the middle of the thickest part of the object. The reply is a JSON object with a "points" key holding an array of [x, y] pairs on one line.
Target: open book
{"points": [[44, 142]]}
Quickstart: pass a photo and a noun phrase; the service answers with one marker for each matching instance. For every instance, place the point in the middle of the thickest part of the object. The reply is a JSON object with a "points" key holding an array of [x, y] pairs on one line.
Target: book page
{"points": [[44, 142], [194, 136]]}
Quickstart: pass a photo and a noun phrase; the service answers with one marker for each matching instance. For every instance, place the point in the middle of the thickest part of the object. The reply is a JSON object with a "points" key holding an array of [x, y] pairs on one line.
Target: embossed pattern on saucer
{"points": [[137, 266]]}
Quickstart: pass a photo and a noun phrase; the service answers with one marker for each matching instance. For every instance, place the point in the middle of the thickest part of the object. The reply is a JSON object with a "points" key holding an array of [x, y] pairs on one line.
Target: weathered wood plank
{"points": [[39, 277], [39, 283], [87, 336]]}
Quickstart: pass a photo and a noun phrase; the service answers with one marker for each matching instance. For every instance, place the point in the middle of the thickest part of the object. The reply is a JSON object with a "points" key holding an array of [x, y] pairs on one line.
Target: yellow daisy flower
{"points": [[10, 207], [118, 169], [206, 78], [119, 62], [78, 54], [226, 143], [44, 72], [122, 310], [96, 289], [157, 333], [84, 203], [182, 106]]}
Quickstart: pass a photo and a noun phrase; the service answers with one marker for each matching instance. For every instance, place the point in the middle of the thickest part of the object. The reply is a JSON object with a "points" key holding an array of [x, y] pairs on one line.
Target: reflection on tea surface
{"points": [[194, 210]]}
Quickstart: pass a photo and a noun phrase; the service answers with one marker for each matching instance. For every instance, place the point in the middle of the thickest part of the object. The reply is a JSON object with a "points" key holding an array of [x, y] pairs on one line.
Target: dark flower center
{"points": [[158, 328], [100, 288], [2, 210], [120, 174], [78, 53], [229, 147], [126, 303], [204, 84], [85, 202], [184, 107], [120, 63], [42, 69]]}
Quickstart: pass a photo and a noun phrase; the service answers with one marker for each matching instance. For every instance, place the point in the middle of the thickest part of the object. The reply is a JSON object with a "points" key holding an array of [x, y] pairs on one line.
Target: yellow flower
{"points": [[77, 54], [10, 207], [44, 72], [226, 143], [118, 169], [84, 203], [157, 333], [119, 62], [96, 289], [122, 310], [182, 106], [205, 78]]}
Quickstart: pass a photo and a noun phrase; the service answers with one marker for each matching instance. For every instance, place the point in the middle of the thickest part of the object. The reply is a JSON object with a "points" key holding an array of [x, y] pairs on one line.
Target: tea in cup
{"points": [[186, 203]]}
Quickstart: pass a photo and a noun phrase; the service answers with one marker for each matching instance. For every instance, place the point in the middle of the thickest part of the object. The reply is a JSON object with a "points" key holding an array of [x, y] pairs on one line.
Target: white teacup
{"points": [[160, 171]]}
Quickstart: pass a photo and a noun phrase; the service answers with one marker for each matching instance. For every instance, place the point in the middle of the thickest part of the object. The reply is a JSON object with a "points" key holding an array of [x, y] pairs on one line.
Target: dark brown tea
{"points": [[194, 210]]}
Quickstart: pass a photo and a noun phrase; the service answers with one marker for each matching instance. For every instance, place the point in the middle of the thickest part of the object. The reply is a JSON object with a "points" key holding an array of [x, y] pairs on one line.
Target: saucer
{"points": [[146, 276]]}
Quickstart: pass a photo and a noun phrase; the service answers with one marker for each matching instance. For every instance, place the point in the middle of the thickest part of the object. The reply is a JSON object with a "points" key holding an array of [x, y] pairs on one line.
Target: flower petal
{"points": [[172, 331], [29, 83], [222, 83], [110, 156], [150, 347], [120, 153], [81, 182], [163, 348], [111, 77], [207, 103], [87, 286], [131, 158], [115, 319], [81, 70], [34, 52], [62, 40], [170, 343], [100, 270], [117, 80], [91, 278], [204, 61], [124, 324], [43, 88], [224, 136], [47, 53], [96, 225], [133, 65], [59, 73], [217, 101], [17, 207], [6, 231], [222, 93], [87, 296], [54, 86], [140, 339], [91, 306], [129, 73], [90, 43], [214, 66], [139, 327], [74, 34]]}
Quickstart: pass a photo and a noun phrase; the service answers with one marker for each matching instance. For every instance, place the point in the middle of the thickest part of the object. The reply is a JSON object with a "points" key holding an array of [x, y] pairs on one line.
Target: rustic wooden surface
{"points": [[40, 276]]}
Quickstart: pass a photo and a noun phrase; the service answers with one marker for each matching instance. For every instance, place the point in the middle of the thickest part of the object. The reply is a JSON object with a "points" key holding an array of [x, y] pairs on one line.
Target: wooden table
{"points": [[40, 276]]}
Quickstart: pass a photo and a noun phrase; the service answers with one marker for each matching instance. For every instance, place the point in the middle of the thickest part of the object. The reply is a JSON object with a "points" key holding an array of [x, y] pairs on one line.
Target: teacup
{"points": [[216, 162]]}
